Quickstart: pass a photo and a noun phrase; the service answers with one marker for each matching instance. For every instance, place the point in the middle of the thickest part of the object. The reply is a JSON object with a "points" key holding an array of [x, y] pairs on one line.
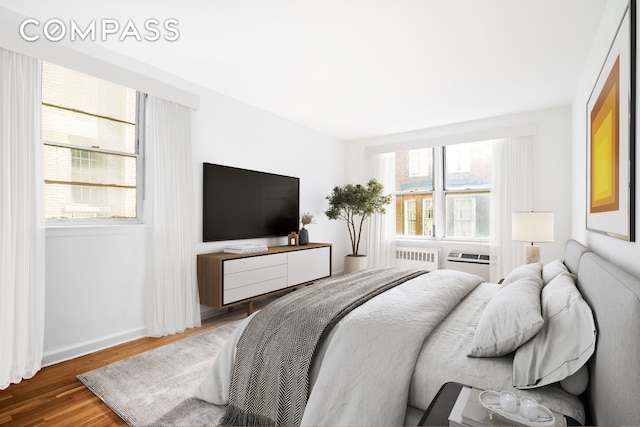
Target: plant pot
{"points": [[353, 263]]}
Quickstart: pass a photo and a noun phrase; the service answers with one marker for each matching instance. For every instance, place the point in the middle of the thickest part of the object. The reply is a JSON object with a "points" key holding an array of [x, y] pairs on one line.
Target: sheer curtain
{"points": [[21, 221], [172, 291], [511, 175], [380, 242]]}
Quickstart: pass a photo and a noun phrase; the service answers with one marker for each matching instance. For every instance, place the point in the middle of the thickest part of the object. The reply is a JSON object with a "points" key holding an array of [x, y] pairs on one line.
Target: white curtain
{"points": [[172, 291], [511, 177], [380, 242], [21, 220]]}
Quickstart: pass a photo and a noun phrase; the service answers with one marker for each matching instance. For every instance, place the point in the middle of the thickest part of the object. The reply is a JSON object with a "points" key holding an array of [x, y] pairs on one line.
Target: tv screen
{"points": [[243, 204]]}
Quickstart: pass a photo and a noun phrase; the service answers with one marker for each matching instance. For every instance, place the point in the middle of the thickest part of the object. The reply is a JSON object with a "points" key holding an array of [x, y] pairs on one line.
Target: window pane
{"points": [[90, 147], [81, 92], [70, 127], [88, 184], [414, 214], [468, 215], [468, 165], [76, 201], [414, 170]]}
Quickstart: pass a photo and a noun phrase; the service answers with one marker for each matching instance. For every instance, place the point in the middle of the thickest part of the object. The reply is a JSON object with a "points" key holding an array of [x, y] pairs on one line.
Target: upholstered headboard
{"points": [[613, 395]]}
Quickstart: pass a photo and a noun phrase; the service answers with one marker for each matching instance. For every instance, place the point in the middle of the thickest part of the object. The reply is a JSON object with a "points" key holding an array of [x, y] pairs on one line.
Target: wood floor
{"points": [[54, 397]]}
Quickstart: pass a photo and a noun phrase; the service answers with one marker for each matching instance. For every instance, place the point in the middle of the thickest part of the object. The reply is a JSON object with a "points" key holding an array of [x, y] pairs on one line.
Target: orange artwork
{"points": [[605, 146]]}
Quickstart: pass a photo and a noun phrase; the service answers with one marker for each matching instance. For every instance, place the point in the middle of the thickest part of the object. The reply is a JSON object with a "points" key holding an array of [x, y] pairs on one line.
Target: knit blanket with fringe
{"points": [[270, 380]]}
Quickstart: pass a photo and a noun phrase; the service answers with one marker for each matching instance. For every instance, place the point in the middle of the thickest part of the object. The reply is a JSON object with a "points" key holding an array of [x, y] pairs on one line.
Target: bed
{"points": [[383, 360]]}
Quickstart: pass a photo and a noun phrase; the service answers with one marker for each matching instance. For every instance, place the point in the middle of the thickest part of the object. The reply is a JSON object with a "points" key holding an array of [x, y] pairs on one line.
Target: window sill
{"points": [[84, 230], [406, 239]]}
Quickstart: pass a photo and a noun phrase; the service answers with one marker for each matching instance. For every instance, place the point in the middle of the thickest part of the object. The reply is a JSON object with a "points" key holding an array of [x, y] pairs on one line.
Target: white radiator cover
{"points": [[426, 259]]}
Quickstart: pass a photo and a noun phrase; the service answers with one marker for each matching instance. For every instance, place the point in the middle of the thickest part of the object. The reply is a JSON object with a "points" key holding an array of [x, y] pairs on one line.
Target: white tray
{"points": [[490, 401]]}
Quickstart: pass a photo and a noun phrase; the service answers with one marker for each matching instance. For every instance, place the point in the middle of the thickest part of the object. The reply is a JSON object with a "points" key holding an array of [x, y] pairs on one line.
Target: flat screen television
{"points": [[243, 204]]}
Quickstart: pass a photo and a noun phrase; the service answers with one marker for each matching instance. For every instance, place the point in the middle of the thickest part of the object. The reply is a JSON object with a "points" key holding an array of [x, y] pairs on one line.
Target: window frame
{"points": [[468, 190], [138, 155], [439, 196]]}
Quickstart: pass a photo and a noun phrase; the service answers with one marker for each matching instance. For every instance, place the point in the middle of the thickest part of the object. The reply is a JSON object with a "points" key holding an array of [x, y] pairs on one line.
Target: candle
{"points": [[508, 401], [529, 408]]}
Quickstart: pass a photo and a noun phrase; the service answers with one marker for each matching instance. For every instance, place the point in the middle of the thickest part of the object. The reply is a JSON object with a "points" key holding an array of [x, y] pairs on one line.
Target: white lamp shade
{"points": [[532, 226]]}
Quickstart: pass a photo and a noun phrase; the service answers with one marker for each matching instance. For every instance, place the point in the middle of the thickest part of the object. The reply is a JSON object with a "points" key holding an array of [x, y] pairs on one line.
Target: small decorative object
{"points": [[354, 204], [293, 238], [530, 413], [305, 219], [529, 408], [508, 401]]}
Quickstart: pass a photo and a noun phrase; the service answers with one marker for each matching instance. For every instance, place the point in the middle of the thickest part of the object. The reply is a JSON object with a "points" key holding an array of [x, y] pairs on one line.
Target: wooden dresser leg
{"points": [[249, 308]]}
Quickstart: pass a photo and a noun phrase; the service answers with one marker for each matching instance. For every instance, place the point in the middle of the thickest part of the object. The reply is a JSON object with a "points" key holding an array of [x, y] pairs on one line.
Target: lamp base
{"points": [[532, 254]]}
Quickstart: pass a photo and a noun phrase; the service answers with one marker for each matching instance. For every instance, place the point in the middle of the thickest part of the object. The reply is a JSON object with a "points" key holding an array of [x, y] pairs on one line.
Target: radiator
{"points": [[426, 259]]}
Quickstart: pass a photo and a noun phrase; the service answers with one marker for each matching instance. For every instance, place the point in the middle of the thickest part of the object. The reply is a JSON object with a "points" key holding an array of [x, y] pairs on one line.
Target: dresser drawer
{"points": [[257, 275], [254, 262], [250, 291]]}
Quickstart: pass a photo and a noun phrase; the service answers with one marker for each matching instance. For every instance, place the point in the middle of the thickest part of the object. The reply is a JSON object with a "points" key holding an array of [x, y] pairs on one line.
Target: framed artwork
{"points": [[611, 138]]}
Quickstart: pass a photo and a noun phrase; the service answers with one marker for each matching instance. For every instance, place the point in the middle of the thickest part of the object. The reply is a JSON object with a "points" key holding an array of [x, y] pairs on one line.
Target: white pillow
{"points": [[511, 318], [523, 272], [552, 269], [565, 342]]}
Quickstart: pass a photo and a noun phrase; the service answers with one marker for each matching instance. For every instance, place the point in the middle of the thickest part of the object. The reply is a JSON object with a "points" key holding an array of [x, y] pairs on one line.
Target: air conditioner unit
{"points": [[468, 257]]}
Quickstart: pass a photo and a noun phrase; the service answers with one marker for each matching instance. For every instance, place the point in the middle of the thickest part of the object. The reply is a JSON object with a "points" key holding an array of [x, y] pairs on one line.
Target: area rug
{"points": [[157, 387]]}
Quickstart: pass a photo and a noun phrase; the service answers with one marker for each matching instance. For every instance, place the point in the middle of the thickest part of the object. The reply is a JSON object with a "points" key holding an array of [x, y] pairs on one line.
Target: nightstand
{"points": [[437, 414]]}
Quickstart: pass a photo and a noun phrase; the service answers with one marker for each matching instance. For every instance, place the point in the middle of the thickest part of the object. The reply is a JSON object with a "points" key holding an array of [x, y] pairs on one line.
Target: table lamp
{"points": [[532, 227]]}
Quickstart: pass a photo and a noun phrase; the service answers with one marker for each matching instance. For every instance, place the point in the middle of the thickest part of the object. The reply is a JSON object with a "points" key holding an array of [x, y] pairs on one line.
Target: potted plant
{"points": [[354, 204]]}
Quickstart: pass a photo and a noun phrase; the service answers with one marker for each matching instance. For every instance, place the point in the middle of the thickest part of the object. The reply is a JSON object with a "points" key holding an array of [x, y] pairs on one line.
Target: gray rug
{"points": [[156, 387]]}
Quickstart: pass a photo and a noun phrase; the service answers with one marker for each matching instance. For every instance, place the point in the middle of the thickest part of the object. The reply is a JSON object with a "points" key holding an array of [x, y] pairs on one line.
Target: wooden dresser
{"points": [[226, 280]]}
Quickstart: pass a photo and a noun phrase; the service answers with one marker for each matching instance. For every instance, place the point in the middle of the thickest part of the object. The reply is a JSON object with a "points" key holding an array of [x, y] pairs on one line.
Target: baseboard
{"points": [[71, 352]]}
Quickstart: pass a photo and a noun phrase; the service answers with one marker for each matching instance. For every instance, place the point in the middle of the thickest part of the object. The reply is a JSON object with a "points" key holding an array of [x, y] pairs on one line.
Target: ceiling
{"points": [[362, 68]]}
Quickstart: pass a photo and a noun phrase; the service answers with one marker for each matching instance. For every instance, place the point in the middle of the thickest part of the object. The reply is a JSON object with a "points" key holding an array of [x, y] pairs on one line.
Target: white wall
{"points": [[622, 253], [551, 166], [94, 293]]}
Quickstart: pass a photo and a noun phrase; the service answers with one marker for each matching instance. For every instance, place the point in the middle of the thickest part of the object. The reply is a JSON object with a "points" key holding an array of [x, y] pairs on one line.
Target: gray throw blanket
{"points": [[270, 381]]}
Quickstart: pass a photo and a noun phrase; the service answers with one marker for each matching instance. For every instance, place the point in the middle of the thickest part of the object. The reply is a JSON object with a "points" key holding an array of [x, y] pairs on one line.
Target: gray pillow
{"points": [[576, 383], [522, 272], [511, 318], [565, 342]]}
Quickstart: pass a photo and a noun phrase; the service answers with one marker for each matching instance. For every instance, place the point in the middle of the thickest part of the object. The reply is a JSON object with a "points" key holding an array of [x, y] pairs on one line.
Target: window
{"points": [[91, 146], [414, 192], [455, 206]]}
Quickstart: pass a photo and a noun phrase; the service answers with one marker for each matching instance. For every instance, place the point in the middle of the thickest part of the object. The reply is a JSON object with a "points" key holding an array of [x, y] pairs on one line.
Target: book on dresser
{"points": [[246, 248]]}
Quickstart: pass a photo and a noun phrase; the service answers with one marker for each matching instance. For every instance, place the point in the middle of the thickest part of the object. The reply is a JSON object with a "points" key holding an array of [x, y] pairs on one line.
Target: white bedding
{"points": [[364, 371], [443, 358]]}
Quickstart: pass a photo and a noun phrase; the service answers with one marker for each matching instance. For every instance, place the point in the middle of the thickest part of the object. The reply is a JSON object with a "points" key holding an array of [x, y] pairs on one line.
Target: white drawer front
{"points": [[250, 263], [249, 291], [249, 277], [309, 264]]}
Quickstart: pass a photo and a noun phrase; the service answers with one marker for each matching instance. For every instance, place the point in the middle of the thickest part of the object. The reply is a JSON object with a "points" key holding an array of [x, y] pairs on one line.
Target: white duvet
{"points": [[362, 372]]}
